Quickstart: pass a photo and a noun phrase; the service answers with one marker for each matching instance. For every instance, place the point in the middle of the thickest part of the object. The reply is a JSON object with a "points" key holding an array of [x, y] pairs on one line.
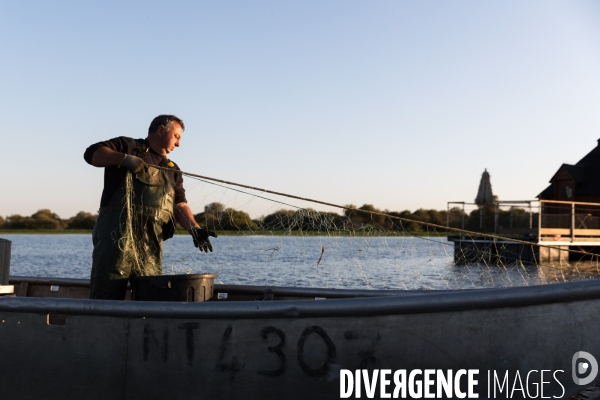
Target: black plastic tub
{"points": [[184, 288]]}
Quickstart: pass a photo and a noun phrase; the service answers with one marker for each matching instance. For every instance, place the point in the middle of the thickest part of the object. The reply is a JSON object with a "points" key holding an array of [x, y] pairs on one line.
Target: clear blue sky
{"points": [[401, 104]]}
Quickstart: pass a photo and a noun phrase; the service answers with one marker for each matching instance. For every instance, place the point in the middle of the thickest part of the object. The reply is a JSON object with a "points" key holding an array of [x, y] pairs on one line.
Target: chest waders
{"points": [[128, 233]]}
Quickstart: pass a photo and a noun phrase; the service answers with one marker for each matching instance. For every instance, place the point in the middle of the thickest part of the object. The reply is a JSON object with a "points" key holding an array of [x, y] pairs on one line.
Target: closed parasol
{"points": [[484, 194]]}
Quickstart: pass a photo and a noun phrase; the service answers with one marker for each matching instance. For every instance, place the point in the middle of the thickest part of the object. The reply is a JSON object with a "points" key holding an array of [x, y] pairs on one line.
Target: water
{"points": [[347, 262]]}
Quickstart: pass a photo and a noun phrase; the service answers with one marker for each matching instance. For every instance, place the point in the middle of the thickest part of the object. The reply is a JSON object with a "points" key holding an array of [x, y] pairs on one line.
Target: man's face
{"points": [[169, 137]]}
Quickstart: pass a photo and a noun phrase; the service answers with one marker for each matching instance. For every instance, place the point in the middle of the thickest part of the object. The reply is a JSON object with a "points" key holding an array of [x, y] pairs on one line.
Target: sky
{"points": [[399, 104]]}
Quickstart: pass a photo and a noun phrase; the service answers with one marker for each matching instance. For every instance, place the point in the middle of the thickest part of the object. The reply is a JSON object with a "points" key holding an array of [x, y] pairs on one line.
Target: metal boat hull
{"points": [[294, 349]]}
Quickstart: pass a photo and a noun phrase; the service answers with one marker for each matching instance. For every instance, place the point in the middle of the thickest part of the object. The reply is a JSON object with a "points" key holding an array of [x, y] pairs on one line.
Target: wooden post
{"points": [[540, 221], [572, 222], [462, 223], [496, 216], [4, 261]]}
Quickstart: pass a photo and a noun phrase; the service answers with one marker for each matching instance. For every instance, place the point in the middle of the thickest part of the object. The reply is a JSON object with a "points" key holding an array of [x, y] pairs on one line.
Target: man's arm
{"points": [[105, 157], [183, 215]]}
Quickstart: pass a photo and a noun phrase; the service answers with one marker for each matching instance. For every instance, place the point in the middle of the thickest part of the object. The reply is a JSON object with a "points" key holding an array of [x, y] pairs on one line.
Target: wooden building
{"points": [[579, 182]]}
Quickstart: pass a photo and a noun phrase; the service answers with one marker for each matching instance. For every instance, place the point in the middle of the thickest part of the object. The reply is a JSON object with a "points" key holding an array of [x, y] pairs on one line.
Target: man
{"points": [[139, 205]]}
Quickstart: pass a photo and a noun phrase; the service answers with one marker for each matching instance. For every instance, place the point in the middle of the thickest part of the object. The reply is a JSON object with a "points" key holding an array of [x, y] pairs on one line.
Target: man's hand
{"points": [[200, 237], [134, 164]]}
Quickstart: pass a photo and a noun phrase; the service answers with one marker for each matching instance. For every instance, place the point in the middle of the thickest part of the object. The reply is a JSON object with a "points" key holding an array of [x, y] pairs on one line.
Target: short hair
{"points": [[164, 120]]}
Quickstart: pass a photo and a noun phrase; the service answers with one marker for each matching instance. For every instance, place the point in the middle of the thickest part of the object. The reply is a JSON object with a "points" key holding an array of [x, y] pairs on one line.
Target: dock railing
{"points": [[572, 222], [567, 222], [520, 216], [501, 217]]}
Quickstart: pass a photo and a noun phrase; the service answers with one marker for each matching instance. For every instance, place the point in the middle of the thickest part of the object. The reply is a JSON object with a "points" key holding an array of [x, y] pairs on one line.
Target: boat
{"points": [[260, 342]]}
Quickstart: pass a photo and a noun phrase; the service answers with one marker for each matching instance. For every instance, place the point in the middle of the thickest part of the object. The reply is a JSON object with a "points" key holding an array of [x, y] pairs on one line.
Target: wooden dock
{"points": [[562, 226]]}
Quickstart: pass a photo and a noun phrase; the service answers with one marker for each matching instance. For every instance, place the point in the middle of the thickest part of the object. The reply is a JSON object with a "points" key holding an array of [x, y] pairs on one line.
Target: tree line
{"points": [[46, 219], [217, 216]]}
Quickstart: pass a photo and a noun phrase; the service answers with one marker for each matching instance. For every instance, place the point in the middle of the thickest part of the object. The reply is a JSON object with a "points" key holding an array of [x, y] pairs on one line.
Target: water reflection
{"points": [[571, 271]]}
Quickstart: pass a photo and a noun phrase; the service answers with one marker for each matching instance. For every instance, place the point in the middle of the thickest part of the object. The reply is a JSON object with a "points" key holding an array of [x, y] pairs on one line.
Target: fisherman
{"points": [[129, 230]]}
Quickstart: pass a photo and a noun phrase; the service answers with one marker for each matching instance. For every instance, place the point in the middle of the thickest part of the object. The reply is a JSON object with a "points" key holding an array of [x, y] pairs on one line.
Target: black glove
{"points": [[134, 164], [200, 237]]}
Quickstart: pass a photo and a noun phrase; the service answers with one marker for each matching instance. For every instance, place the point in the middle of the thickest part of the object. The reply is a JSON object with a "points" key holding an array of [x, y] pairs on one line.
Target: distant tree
{"points": [[217, 217], [331, 221], [516, 217], [347, 211], [2, 222], [302, 220], [408, 222], [311, 220], [17, 221], [481, 219], [211, 217], [473, 220], [437, 217], [428, 217], [43, 219], [215, 209], [278, 221], [393, 222], [362, 215], [46, 219], [83, 220], [455, 217], [421, 215], [236, 220], [406, 214]]}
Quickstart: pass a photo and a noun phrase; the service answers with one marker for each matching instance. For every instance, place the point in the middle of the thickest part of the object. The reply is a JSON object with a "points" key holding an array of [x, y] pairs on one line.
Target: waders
{"points": [[128, 233]]}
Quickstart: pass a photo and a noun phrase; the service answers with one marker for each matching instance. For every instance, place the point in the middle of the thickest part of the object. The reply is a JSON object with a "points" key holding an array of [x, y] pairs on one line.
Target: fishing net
{"points": [[138, 251], [272, 239]]}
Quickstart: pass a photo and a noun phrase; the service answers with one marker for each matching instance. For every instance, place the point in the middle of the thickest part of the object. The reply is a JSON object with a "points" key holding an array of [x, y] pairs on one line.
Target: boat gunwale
{"points": [[256, 289], [446, 301]]}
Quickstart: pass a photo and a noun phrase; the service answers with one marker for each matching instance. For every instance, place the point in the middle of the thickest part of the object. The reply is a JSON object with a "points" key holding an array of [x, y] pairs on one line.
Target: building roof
{"points": [[585, 173], [578, 173], [547, 193]]}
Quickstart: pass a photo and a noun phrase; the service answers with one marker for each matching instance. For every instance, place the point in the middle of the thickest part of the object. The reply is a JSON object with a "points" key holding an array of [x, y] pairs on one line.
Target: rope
{"points": [[404, 219]]}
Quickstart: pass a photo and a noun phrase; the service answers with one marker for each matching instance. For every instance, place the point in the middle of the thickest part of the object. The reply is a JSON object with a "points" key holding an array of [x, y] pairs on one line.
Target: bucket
{"points": [[186, 288]]}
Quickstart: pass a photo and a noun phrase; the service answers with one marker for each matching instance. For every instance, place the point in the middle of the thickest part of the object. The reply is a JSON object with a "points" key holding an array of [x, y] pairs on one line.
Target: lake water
{"points": [[346, 262]]}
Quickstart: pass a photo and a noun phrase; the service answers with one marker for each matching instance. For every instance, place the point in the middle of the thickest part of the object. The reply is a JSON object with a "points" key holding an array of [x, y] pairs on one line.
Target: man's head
{"points": [[164, 133]]}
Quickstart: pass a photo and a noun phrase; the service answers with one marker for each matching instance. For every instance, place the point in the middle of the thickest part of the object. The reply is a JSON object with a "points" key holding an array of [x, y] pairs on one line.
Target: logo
{"points": [[582, 368]]}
